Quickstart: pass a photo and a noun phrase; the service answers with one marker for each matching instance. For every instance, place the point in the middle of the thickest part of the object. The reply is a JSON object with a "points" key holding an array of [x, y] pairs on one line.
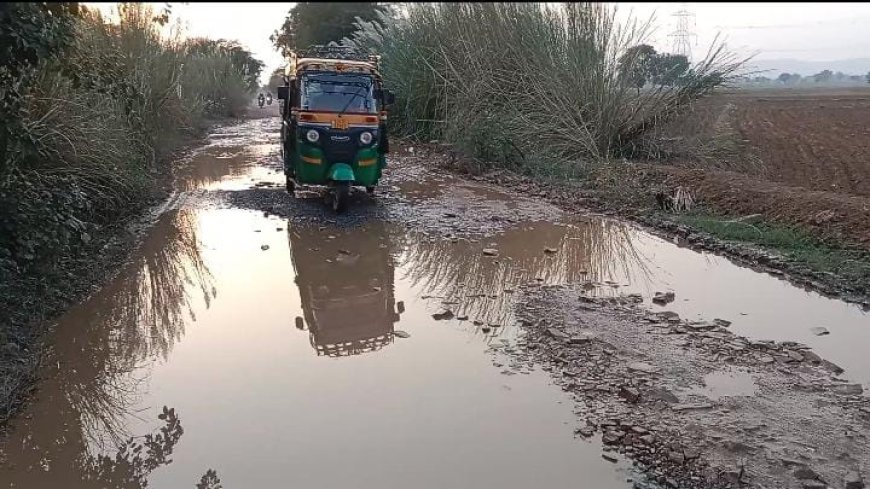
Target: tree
{"points": [[311, 23], [823, 76], [640, 64], [636, 64], [276, 80], [241, 59], [667, 69], [29, 33], [245, 61], [789, 78]]}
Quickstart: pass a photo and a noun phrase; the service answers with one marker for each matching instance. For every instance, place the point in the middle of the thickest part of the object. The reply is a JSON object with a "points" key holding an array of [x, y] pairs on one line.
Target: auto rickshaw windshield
{"points": [[338, 92]]}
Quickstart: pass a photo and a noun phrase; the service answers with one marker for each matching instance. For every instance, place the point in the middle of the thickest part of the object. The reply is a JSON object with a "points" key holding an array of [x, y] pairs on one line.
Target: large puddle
{"points": [[269, 354], [367, 390]]}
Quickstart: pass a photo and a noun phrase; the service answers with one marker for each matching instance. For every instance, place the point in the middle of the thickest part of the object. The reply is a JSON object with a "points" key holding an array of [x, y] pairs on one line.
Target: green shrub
{"points": [[91, 115]]}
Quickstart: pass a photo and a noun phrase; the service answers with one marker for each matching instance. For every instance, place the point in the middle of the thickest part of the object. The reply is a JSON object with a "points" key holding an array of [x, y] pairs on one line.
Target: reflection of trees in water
{"points": [[595, 251], [128, 466], [211, 166], [147, 314], [209, 480], [136, 458], [141, 315], [101, 348]]}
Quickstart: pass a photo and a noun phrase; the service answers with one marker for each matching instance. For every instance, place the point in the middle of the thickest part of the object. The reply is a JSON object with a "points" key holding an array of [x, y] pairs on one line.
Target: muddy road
{"points": [[440, 334]]}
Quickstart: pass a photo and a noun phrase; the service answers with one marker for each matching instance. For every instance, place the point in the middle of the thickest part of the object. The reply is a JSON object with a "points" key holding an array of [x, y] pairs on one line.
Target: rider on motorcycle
{"points": [[260, 99], [268, 98]]}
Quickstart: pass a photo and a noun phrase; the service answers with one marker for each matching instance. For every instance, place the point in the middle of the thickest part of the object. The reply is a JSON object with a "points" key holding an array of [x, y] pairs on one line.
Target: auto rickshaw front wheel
{"points": [[291, 185], [340, 196]]}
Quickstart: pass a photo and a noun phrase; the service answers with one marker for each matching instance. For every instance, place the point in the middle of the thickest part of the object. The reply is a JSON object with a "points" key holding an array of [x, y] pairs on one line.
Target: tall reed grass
{"points": [[99, 118], [527, 85]]}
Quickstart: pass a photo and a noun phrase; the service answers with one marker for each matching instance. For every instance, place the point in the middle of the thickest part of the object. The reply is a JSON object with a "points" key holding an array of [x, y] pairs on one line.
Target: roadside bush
{"points": [[91, 125], [90, 109], [527, 85]]}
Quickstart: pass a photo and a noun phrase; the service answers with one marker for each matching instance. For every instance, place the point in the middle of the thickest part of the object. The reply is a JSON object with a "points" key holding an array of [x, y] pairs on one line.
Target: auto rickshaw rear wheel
{"points": [[291, 185], [370, 190], [341, 194]]}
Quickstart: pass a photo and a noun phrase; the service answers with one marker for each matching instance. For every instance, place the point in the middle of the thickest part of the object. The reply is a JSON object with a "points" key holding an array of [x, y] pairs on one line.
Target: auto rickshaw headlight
{"points": [[312, 136], [366, 138]]}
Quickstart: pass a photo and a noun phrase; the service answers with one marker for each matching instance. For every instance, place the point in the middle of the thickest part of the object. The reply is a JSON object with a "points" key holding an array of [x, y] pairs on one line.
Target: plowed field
{"points": [[812, 139]]}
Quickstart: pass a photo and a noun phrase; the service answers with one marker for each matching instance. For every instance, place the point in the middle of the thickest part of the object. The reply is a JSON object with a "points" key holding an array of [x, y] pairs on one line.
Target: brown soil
{"points": [[797, 157], [827, 215], [819, 141]]}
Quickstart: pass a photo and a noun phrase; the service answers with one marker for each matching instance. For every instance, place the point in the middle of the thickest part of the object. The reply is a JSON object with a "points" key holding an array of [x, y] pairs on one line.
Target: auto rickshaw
{"points": [[346, 289], [333, 130]]}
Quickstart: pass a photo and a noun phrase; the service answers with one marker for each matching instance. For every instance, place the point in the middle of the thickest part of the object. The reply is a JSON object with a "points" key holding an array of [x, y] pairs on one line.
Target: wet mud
{"points": [[695, 404]]}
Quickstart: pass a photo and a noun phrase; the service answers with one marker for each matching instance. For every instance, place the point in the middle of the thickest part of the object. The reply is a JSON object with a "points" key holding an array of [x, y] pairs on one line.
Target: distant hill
{"points": [[854, 66]]}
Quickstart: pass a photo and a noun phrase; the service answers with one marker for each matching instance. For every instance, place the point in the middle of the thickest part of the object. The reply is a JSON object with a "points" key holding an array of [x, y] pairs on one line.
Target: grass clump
{"points": [[526, 85], [851, 264]]}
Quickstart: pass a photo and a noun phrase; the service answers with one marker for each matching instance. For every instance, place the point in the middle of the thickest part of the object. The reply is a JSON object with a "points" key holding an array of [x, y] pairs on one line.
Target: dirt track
{"points": [[697, 404], [292, 344]]}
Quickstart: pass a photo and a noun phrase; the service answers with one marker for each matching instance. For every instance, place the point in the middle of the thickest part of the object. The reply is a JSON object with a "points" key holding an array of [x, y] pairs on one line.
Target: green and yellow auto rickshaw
{"points": [[334, 118]]}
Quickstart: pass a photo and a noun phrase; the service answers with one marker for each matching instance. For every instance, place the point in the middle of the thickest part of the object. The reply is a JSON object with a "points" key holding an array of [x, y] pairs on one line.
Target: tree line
{"points": [[824, 76]]}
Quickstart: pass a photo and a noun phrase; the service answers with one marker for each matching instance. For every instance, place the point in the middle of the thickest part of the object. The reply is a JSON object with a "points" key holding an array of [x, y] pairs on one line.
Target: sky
{"points": [[249, 23], [804, 31]]}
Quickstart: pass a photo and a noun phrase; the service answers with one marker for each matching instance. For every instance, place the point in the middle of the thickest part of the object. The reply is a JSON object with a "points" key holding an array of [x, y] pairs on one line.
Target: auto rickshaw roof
{"points": [[299, 65]]}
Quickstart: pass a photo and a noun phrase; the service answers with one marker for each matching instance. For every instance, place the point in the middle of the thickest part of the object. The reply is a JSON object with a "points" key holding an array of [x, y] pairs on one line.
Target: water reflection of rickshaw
{"points": [[346, 288]]}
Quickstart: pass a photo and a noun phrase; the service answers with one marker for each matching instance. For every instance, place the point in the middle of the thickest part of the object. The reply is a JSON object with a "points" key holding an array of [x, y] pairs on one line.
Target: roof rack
{"points": [[333, 52]]}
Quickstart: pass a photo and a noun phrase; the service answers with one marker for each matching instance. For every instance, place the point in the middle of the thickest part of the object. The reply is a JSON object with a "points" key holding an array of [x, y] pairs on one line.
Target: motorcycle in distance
{"points": [[260, 100], [269, 98]]}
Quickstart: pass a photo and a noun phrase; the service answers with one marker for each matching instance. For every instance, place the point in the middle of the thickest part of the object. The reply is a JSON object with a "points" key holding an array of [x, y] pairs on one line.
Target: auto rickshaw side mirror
{"points": [[389, 97], [283, 92]]}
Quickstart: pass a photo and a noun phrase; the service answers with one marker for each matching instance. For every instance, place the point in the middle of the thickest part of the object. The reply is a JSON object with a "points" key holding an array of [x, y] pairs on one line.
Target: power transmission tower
{"points": [[683, 34]]}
